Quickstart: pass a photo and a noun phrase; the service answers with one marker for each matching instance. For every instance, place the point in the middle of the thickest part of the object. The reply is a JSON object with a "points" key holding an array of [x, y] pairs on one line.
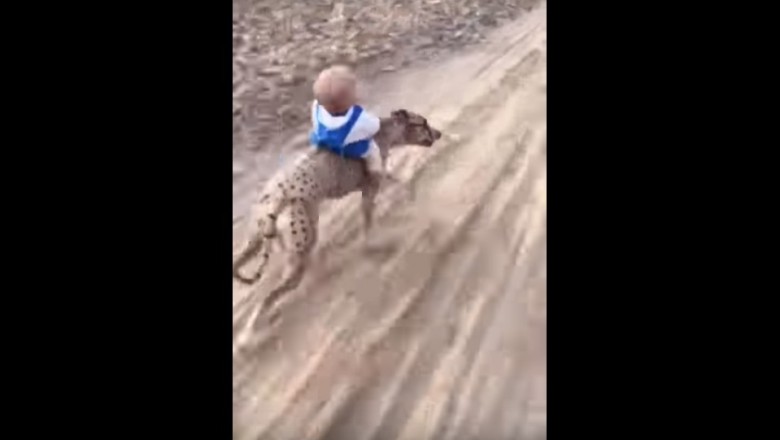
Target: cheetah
{"points": [[317, 176]]}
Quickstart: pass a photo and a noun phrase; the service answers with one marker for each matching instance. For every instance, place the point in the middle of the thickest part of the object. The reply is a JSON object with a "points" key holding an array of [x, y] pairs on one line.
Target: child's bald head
{"points": [[335, 89]]}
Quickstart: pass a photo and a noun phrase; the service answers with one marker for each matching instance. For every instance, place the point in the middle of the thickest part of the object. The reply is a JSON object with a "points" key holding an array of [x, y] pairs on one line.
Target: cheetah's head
{"points": [[416, 130]]}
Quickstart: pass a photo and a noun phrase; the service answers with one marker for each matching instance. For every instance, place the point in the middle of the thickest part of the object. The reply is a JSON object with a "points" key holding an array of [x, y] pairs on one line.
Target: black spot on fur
{"points": [[294, 232], [292, 223]]}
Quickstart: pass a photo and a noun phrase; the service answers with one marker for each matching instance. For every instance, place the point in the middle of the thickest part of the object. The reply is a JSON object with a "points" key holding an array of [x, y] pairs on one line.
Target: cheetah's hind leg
{"points": [[302, 239]]}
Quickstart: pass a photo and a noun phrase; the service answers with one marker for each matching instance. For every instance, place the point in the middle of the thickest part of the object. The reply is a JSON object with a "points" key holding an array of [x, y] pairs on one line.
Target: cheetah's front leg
{"points": [[368, 199]]}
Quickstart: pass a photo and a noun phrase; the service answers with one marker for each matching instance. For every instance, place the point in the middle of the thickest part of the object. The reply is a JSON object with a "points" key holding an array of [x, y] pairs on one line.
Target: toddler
{"points": [[339, 124]]}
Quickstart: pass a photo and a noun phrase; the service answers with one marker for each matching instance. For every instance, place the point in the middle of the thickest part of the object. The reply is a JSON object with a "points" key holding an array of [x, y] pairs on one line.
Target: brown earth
{"points": [[436, 327], [278, 47]]}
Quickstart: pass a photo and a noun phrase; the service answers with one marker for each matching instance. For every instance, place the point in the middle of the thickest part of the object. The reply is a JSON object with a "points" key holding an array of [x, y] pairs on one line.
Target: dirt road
{"points": [[436, 328]]}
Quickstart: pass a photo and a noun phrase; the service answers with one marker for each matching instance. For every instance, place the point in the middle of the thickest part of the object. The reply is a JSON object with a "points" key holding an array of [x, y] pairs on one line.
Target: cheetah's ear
{"points": [[401, 115]]}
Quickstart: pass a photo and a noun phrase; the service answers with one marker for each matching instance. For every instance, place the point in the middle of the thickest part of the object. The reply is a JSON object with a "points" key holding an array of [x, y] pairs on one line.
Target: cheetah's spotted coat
{"points": [[318, 175]]}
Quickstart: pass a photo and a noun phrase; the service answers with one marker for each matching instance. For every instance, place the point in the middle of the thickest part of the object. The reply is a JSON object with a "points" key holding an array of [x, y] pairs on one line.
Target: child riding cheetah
{"points": [[342, 126]]}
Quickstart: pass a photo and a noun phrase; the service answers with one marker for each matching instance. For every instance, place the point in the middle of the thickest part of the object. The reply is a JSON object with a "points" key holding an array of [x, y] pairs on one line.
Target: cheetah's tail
{"points": [[258, 242]]}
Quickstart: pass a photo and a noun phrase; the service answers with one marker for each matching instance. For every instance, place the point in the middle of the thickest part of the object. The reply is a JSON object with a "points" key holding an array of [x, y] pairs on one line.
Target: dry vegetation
{"points": [[279, 46]]}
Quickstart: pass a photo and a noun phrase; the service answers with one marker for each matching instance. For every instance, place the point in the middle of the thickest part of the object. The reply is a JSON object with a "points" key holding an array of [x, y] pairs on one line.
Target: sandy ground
{"points": [[436, 327]]}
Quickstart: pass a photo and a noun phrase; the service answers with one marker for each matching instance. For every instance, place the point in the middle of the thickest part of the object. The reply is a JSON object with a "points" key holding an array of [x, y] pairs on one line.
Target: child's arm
{"points": [[366, 127]]}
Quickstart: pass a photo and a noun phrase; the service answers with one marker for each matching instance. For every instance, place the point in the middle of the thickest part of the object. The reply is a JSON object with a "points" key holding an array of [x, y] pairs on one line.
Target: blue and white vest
{"points": [[333, 138]]}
